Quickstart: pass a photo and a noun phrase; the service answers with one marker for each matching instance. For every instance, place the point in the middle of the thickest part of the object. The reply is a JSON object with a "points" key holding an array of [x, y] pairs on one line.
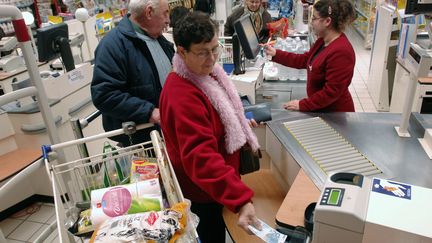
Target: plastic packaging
{"points": [[163, 226], [144, 169], [125, 199]]}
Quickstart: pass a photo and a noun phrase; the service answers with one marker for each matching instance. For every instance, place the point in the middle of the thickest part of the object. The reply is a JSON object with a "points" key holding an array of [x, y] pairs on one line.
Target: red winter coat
{"points": [[328, 75], [194, 136]]}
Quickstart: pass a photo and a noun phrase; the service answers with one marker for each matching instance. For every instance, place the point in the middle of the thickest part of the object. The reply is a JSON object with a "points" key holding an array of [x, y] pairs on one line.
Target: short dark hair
{"points": [[341, 12], [196, 27], [176, 14], [206, 6]]}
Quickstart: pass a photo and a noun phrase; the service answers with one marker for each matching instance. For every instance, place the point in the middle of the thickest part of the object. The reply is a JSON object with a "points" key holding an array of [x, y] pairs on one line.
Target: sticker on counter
{"points": [[75, 76], [391, 188]]}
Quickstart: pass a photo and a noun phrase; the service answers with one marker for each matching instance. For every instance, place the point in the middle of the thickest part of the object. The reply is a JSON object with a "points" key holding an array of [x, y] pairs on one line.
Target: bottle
{"points": [[273, 5], [299, 24], [285, 8], [10, 27]]}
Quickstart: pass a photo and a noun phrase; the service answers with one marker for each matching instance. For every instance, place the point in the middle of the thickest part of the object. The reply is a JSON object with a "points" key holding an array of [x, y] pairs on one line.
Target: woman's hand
{"points": [[269, 50], [253, 123], [247, 217], [292, 105]]}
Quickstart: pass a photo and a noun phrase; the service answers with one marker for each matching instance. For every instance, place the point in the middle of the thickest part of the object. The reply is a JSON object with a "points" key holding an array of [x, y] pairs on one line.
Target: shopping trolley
{"points": [[72, 181], [226, 55]]}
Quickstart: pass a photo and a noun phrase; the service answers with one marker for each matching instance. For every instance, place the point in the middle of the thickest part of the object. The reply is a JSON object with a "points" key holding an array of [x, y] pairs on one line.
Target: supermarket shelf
{"points": [[23, 5], [5, 20], [361, 13], [359, 31]]}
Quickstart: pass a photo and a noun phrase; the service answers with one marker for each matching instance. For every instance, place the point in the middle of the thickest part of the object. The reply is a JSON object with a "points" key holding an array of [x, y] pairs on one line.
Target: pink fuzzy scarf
{"points": [[226, 101]]}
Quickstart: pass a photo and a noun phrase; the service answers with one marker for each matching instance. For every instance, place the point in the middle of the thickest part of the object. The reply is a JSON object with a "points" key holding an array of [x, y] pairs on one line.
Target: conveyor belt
{"points": [[330, 150]]}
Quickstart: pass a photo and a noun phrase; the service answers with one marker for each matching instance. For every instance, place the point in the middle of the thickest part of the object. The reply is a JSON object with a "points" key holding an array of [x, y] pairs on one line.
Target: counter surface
{"points": [[301, 194], [373, 134]]}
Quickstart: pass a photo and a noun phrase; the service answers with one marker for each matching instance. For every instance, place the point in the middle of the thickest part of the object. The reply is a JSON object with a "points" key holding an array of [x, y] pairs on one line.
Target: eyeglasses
{"points": [[315, 18], [207, 53]]}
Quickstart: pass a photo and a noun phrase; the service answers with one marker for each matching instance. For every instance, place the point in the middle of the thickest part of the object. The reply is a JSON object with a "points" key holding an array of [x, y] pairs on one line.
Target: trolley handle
{"points": [[85, 121], [128, 128]]}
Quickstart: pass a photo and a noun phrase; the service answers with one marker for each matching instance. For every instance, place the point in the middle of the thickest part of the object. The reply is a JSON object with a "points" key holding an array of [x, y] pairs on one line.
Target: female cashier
{"points": [[329, 62]]}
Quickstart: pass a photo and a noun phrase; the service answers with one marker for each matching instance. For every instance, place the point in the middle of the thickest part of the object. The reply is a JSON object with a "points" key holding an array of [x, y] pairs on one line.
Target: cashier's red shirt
{"points": [[328, 75]]}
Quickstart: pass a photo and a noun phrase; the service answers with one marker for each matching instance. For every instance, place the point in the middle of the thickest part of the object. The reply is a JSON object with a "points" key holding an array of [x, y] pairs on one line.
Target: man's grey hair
{"points": [[136, 7]]}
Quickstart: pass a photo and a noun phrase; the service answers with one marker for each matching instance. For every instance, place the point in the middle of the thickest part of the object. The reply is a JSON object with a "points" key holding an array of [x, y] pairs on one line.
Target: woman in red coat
{"points": [[204, 126], [329, 63]]}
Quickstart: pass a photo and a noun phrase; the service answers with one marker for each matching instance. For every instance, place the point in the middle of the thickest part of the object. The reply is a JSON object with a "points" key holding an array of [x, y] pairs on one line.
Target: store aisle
{"points": [[358, 88]]}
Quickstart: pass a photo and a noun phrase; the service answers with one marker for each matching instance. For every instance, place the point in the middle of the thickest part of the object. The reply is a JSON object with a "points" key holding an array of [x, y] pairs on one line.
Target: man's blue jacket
{"points": [[126, 85]]}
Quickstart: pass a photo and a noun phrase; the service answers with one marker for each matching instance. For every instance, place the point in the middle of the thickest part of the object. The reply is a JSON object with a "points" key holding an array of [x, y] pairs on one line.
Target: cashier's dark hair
{"points": [[195, 28], [341, 12]]}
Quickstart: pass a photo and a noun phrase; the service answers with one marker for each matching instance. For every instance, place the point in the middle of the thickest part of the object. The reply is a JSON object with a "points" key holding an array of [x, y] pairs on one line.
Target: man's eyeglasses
{"points": [[207, 53]]}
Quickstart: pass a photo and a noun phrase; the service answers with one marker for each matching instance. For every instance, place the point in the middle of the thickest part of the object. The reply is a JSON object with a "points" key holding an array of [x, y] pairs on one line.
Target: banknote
{"points": [[268, 234]]}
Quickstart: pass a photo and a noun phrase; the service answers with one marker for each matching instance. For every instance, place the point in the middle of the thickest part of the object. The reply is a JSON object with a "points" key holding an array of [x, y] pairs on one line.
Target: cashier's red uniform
{"points": [[329, 73]]}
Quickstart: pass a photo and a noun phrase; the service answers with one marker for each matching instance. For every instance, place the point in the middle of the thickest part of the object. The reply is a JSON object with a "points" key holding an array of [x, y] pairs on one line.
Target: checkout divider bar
{"points": [[332, 152]]}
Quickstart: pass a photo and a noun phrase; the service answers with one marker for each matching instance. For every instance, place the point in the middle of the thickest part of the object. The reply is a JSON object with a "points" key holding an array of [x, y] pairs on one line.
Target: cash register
{"points": [[354, 208]]}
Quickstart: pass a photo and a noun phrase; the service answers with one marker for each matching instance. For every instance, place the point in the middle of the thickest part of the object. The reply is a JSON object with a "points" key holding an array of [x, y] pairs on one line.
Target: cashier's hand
{"points": [[270, 50], [247, 217], [292, 105], [393, 188], [155, 116]]}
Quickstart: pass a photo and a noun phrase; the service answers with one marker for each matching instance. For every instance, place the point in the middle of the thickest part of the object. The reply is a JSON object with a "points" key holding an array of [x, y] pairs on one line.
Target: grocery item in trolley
{"points": [[144, 169], [132, 198], [162, 226], [84, 223], [81, 179]]}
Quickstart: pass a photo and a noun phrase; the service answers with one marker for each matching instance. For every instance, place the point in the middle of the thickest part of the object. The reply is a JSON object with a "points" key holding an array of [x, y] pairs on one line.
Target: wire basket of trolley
{"points": [[128, 194], [226, 59]]}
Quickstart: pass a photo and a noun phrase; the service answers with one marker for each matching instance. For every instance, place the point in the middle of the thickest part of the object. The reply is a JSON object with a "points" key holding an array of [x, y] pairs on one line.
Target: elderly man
{"points": [[131, 65], [260, 18]]}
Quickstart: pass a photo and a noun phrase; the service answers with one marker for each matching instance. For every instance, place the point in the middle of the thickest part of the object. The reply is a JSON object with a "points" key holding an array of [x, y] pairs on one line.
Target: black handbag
{"points": [[249, 160]]}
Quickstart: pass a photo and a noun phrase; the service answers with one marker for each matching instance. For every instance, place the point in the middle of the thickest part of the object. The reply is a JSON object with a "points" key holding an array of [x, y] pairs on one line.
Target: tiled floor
{"points": [[27, 226], [358, 88]]}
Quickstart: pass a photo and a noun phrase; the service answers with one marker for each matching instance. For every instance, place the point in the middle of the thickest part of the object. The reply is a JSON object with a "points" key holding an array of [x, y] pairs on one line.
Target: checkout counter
{"points": [[371, 134], [400, 159], [302, 179]]}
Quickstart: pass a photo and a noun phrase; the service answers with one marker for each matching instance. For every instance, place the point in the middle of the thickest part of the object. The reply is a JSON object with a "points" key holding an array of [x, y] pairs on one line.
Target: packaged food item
{"points": [[278, 28], [144, 169], [162, 226], [84, 223], [132, 198]]}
